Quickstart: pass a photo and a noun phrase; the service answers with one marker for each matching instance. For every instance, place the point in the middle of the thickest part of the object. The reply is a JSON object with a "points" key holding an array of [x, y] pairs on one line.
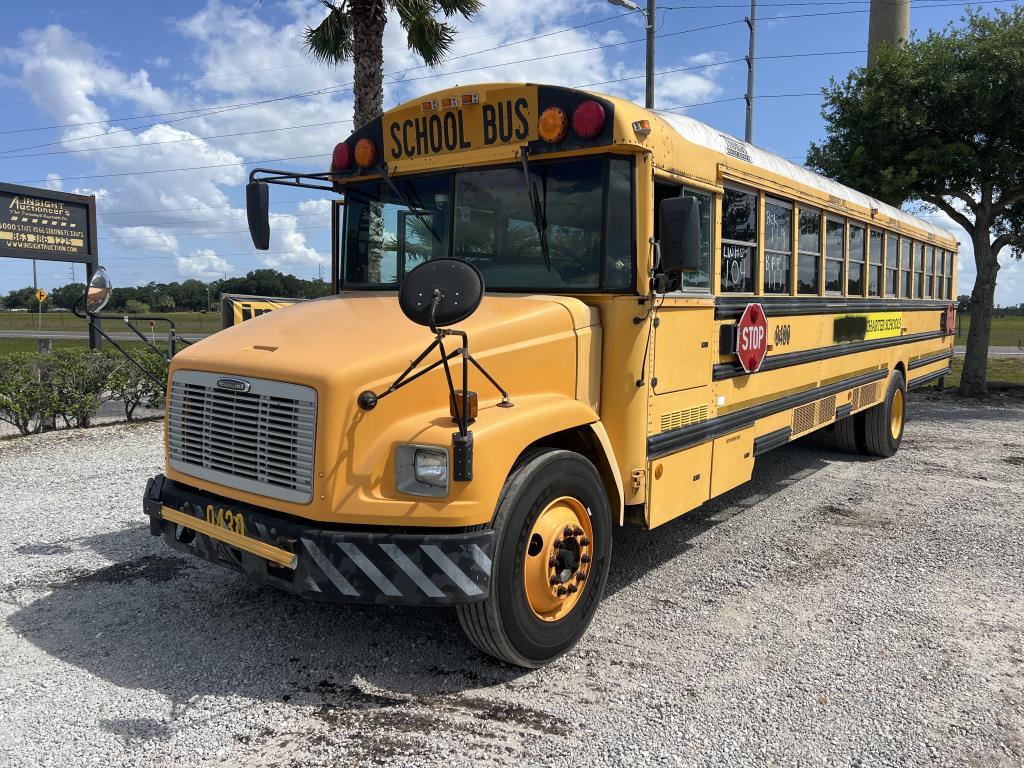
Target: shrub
{"points": [[78, 380], [130, 385], [25, 399]]}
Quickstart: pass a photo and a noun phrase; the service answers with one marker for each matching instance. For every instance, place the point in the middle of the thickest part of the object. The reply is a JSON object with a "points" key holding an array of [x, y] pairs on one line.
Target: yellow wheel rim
{"points": [[896, 414], [558, 558]]}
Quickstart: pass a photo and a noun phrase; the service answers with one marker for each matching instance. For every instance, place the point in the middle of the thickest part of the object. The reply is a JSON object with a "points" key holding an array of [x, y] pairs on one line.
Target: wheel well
{"points": [[583, 441], [902, 368]]}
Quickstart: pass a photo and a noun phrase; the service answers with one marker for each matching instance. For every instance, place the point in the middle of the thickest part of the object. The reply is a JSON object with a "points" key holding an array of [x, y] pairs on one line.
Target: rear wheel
{"points": [[551, 558], [884, 423]]}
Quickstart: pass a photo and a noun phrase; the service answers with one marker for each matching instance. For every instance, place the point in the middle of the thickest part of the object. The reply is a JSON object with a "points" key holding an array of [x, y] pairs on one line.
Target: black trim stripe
{"points": [[844, 410], [694, 434], [733, 369], [939, 356], [731, 307], [920, 381], [772, 440]]}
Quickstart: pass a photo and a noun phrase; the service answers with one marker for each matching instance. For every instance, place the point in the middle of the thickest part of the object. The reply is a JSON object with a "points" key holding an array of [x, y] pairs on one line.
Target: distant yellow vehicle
{"points": [[663, 303]]}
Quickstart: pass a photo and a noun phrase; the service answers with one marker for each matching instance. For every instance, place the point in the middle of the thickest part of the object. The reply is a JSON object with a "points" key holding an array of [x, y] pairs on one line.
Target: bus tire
{"points": [[847, 434], [526, 619], [884, 423]]}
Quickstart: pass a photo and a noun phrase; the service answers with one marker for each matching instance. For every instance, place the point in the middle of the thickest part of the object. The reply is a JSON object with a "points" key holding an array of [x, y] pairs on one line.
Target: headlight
{"points": [[421, 470], [431, 467]]}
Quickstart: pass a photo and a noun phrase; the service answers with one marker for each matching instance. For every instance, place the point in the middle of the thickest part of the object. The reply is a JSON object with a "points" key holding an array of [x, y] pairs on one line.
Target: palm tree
{"points": [[354, 30]]}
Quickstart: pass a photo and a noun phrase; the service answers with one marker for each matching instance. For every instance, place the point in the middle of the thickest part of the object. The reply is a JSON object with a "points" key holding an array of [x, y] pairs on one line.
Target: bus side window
{"points": [[949, 275], [892, 263], [739, 240], [778, 245], [835, 254], [700, 278], [620, 250], [906, 273], [809, 256]]}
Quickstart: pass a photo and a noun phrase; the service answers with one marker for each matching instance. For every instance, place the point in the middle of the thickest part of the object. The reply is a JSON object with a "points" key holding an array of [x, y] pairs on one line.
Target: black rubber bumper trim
{"points": [[772, 440], [729, 308], [844, 410], [731, 370], [938, 357], [679, 439], [920, 381], [342, 566]]}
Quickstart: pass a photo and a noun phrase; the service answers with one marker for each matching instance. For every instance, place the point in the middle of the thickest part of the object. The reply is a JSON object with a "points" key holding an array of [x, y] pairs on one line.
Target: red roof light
{"points": [[341, 160], [588, 119]]}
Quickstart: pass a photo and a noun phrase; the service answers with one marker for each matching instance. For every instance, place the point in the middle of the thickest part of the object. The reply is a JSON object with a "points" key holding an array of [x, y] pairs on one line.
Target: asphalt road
{"points": [[128, 336], [835, 611]]}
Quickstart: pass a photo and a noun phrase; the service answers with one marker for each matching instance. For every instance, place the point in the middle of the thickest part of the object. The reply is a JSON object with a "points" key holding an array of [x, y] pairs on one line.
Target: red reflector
{"points": [[588, 119], [341, 160]]}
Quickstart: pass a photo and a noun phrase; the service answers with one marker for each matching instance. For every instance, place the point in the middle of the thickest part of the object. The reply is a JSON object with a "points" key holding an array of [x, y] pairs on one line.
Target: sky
{"points": [[107, 98]]}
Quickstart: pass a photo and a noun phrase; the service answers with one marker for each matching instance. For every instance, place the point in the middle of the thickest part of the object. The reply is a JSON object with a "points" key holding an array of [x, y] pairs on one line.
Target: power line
{"points": [[174, 170], [338, 122], [172, 141], [305, 94], [201, 234], [241, 72]]}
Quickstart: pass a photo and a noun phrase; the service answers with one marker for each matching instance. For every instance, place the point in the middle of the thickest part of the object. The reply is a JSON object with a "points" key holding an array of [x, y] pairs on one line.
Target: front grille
{"points": [[260, 440]]}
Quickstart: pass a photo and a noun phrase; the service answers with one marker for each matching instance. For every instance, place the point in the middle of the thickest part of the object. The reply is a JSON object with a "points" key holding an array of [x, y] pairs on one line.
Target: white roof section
{"points": [[704, 135]]}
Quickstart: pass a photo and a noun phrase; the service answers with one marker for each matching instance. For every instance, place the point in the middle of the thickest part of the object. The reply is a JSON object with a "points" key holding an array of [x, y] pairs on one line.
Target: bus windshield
{"points": [[484, 216]]}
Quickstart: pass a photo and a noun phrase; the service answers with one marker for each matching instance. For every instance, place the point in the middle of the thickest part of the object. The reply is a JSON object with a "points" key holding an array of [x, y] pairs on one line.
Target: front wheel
{"points": [[552, 553]]}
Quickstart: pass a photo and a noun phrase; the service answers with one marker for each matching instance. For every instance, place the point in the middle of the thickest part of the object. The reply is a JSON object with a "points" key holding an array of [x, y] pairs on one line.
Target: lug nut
{"points": [[558, 543], [571, 589], [581, 576], [578, 531], [552, 562], [561, 591], [567, 531], [553, 580], [584, 559], [584, 542]]}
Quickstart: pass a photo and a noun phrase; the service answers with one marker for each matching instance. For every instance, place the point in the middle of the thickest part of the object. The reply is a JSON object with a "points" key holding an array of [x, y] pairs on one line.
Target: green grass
{"points": [[1003, 372], [187, 322], [1006, 331], [8, 346]]}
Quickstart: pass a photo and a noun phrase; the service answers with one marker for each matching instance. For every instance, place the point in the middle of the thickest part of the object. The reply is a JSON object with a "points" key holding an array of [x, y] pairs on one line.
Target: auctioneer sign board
{"points": [[47, 225]]}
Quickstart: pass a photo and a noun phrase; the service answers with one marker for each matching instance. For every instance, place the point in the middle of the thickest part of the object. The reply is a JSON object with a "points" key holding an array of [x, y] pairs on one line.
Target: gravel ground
{"points": [[835, 611]]}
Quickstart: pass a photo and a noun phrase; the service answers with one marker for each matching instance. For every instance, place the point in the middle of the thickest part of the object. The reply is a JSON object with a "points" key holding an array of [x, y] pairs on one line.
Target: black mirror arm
{"points": [[291, 178]]}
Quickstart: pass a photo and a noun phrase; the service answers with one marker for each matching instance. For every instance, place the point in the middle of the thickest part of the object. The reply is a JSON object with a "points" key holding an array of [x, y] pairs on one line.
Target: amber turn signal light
{"points": [[471, 404], [553, 124], [366, 153]]}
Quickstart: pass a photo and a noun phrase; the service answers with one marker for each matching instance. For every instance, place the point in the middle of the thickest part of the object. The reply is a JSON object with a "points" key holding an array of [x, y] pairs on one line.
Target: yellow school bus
{"points": [[662, 303]]}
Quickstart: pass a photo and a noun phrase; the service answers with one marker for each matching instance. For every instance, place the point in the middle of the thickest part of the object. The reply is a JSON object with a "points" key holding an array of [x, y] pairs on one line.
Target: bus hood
{"points": [[363, 341]]}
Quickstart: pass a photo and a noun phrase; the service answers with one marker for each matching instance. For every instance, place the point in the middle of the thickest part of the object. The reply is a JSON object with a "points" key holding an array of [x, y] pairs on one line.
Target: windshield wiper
{"points": [[418, 209], [539, 220]]}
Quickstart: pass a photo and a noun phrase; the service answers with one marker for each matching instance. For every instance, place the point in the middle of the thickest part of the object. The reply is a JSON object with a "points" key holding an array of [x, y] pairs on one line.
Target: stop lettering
{"points": [[752, 338]]}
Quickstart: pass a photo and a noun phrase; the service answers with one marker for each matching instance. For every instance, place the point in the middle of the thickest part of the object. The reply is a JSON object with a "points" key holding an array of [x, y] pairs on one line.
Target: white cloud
{"points": [[54, 182], [204, 264]]}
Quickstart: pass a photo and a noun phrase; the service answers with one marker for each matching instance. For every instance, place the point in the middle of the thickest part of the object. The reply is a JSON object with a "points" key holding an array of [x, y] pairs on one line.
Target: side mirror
{"points": [[98, 292], [679, 224], [257, 209]]}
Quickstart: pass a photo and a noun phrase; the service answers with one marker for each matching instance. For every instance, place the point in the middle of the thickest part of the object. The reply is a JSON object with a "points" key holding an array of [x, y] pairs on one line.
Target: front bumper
{"points": [[328, 564]]}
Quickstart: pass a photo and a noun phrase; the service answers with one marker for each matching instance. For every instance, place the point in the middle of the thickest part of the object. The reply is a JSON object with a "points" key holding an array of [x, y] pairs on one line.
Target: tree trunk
{"points": [[973, 380], [369, 17]]}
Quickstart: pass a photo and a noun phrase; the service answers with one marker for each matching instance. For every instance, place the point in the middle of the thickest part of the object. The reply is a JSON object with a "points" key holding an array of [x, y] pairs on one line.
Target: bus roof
{"points": [[704, 135]]}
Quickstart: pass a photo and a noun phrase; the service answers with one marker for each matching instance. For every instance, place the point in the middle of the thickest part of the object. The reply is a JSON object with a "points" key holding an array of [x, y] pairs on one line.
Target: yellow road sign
{"points": [[40, 295]]}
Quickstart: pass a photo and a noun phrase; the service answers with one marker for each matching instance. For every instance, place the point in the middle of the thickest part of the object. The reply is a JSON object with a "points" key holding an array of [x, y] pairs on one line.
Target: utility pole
{"points": [[649, 98], [649, 14], [35, 284], [751, 20], [888, 24]]}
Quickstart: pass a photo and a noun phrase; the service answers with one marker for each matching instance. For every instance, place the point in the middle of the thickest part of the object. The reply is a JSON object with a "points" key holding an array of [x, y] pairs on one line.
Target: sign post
{"points": [[752, 338], [44, 225]]}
